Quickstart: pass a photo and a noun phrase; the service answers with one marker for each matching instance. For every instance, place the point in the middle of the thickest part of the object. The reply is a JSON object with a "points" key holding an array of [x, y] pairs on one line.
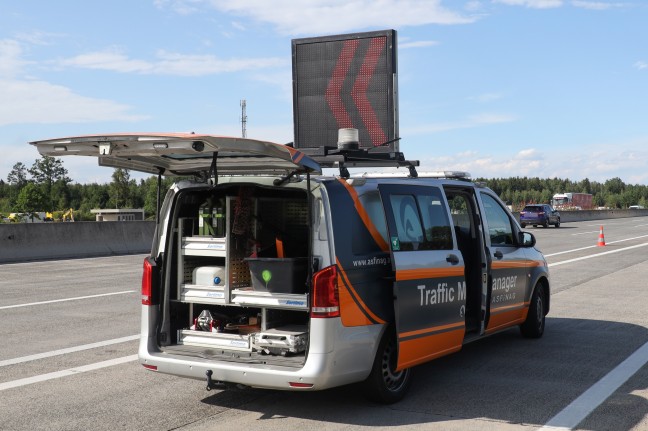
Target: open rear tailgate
{"points": [[182, 153]]}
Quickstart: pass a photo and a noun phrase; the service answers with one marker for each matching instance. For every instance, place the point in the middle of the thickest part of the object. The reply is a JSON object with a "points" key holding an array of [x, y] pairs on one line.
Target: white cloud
{"points": [[42, 102], [168, 63], [237, 25], [110, 59], [599, 164], [330, 16], [11, 61], [473, 6], [527, 162], [37, 38], [417, 44], [641, 65], [470, 122], [595, 5], [36, 101], [182, 7], [486, 97], [533, 4]]}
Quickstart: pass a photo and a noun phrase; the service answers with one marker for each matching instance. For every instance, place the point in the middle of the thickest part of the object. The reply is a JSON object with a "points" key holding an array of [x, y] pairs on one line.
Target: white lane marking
{"points": [[65, 373], [593, 246], [65, 299], [65, 351], [589, 400], [584, 233], [59, 261], [598, 254], [641, 225]]}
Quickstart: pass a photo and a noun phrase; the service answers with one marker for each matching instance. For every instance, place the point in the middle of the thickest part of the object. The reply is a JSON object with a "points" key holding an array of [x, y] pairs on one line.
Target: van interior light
{"points": [[160, 145], [60, 148], [105, 149]]}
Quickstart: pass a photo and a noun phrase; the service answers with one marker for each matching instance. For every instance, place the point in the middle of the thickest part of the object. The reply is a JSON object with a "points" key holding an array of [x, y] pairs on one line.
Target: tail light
{"points": [[326, 302], [148, 281]]}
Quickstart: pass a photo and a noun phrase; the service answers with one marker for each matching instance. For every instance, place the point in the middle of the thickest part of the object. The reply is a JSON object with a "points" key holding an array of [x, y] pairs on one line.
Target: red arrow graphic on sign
{"points": [[334, 88], [359, 92]]}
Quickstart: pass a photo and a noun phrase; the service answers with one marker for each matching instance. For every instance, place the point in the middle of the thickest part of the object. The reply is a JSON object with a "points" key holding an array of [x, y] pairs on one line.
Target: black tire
{"points": [[546, 223], [384, 385], [533, 326], [523, 225], [557, 223]]}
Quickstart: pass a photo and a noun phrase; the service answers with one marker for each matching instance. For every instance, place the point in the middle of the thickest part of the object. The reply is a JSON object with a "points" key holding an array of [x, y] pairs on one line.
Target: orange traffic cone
{"points": [[601, 240]]}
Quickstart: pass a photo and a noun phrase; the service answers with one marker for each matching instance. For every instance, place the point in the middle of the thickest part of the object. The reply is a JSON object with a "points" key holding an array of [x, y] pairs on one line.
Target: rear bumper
{"points": [[534, 220], [337, 356], [316, 372]]}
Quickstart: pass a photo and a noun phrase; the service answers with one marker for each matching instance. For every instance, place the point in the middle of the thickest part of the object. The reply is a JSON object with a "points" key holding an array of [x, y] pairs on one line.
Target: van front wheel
{"points": [[533, 326], [386, 385]]}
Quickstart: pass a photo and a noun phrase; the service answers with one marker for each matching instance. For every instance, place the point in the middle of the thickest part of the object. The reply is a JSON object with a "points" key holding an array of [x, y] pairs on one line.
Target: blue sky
{"points": [[499, 88]]}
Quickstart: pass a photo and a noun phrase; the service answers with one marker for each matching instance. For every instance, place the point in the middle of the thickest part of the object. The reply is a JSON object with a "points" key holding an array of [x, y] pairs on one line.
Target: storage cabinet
{"points": [[212, 271]]}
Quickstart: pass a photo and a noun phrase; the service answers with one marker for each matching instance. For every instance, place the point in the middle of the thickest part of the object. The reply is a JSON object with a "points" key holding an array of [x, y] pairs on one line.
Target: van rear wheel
{"points": [[386, 385]]}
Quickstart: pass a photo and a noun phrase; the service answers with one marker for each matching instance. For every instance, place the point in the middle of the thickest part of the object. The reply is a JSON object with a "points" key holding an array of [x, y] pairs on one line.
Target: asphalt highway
{"points": [[69, 344]]}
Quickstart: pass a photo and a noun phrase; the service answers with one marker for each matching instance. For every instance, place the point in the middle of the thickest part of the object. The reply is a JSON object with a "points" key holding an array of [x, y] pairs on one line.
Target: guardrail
{"points": [[37, 241]]}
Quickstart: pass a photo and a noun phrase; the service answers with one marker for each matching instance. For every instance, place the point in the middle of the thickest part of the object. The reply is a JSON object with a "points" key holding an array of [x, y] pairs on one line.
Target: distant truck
{"points": [[576, 201]]}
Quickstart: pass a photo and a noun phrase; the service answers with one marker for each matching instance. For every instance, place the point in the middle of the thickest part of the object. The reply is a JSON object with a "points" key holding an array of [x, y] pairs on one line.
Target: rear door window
{"points": [[421, 221]]}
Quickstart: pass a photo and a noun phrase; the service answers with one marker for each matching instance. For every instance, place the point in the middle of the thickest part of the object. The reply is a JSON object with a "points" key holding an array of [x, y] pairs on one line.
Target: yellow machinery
{"points": [[68, 215]]}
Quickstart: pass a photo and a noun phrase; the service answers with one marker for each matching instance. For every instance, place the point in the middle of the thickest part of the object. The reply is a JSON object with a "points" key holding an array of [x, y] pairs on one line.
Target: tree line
{"points": [[613, 193], [46, 187]]}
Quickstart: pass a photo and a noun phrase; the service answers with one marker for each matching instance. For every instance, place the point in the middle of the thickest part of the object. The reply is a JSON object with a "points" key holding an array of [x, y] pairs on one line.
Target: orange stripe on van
{"points": [[507, 316], [365, 217], [419, 350], [430, 330], [508, 307], [517, 264], [353, 311], [420, 273], [299, 157], [510, 264]]}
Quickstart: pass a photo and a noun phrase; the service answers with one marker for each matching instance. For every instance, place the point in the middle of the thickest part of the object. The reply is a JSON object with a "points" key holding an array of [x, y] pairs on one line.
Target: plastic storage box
{"points": [[278, 275], [209, 276]]}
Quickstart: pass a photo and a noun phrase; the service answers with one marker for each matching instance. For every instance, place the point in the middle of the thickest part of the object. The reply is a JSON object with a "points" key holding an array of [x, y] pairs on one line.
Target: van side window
{"points": [[460, 211], [373, 206], [421, 222], [499, 223], [436, 223]]}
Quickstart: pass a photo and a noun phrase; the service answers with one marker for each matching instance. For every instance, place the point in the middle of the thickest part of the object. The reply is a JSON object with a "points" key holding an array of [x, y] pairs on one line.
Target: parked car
{"points": [[540, 214]]}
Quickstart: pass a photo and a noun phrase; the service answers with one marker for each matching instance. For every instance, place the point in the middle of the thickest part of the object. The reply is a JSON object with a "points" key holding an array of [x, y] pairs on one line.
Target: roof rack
{"points": [[455, 175], [333, 157]]}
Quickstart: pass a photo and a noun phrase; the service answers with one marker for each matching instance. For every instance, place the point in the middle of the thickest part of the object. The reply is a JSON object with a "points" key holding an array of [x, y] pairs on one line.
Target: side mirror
{"points": [[527, 239]]}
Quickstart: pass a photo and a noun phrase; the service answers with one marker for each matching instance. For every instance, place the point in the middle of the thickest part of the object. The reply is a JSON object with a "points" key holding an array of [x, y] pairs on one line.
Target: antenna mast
{"points": [[243, 119]]}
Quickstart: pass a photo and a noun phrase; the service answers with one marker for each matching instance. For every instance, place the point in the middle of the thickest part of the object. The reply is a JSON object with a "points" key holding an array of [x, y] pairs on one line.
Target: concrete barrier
{"points": [[36, 241], [587, 215]]}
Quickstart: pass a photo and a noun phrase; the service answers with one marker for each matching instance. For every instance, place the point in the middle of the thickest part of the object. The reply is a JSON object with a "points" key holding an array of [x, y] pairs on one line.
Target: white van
{"points": [[265, 273]]}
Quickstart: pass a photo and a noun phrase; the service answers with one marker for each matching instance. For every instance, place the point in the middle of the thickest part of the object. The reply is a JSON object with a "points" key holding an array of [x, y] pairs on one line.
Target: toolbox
{"points": [[283, 340]]}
